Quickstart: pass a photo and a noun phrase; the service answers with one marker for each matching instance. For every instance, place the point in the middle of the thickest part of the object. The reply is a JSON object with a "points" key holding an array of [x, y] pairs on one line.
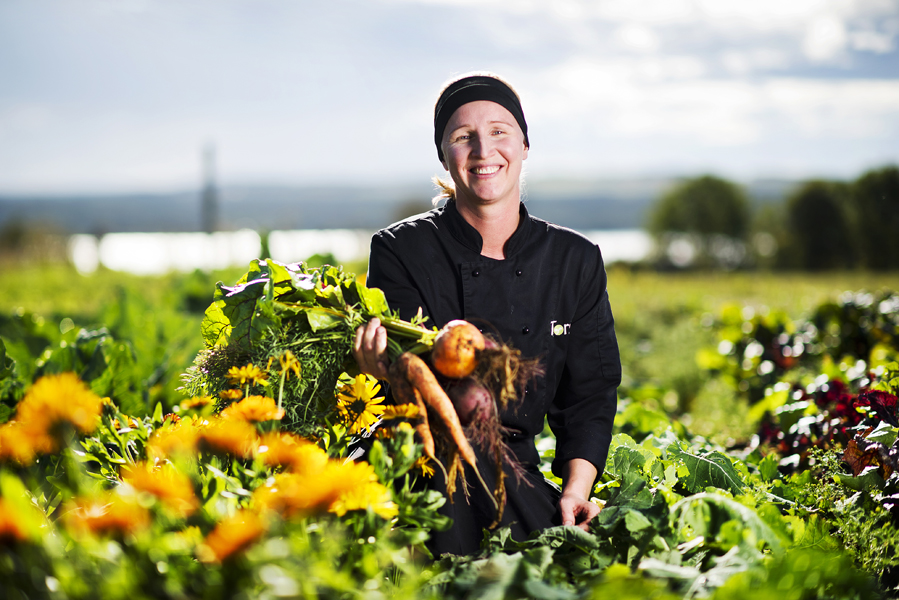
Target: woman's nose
{"points": [[483, 146]]}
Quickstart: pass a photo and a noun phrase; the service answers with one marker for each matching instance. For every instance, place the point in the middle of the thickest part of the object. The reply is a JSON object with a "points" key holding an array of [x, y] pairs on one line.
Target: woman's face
{"points": [[483, 148]]}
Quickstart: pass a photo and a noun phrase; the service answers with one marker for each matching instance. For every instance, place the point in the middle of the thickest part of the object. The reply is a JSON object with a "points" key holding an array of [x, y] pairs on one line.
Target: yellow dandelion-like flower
{"points": [[371, 495], [16, 444], [357, 403], [231, 395], [400, 411], [289, 362], [232, 536], [241, 376], [175, 439], [295, 494], [108, 514], [171, 487], [307, 493], [228, 436], [12, 528], [254, 409], [54, 404], [424, 464], [129, 422], [291, 452], [197, 402]]}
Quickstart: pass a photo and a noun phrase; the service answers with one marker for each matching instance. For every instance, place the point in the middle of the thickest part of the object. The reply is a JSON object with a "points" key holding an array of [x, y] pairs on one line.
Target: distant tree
{"points": [[875, 202], [709, 214], [818, 235]]}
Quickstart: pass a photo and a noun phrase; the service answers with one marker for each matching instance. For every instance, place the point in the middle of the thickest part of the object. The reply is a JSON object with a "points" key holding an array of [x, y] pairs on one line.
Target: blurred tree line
{"points": [[708, 222]]}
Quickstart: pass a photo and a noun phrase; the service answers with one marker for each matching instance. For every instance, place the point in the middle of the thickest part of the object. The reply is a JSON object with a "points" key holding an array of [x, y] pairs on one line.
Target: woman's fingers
{"points": [[370, 349], [577, 511]]}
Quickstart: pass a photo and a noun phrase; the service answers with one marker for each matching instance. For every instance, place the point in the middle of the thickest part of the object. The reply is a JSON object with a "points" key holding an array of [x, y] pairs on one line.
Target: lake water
{"points": [[159, 253]]}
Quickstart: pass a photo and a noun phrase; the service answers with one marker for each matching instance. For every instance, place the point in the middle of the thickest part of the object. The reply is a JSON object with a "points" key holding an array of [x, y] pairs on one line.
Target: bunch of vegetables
{"points": [[314, 314]]}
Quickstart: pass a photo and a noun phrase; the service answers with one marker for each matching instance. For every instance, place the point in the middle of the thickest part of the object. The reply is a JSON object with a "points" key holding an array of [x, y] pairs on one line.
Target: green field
{"points": [[728, 477]]}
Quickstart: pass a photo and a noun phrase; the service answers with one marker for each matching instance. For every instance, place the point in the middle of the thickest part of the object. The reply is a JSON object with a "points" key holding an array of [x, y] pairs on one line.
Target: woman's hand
{"points": [[575, 506], [370, 349], [577, 511]]}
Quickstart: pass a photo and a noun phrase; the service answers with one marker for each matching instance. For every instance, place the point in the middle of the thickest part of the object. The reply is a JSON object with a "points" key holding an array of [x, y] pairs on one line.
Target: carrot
{"points": [[422, 379], [405, 393]]}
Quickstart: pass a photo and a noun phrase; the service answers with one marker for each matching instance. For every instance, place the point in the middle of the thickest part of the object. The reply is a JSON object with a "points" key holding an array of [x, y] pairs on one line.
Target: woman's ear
{"points": [[524, 154]]}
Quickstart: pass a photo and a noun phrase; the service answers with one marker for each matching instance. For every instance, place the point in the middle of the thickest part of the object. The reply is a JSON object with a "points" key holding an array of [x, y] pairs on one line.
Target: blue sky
{"points": [[121, 95]]}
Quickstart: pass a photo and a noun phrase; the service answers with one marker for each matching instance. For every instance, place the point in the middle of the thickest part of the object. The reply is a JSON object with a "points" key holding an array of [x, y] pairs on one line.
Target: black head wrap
{"points": [[472, 89]]}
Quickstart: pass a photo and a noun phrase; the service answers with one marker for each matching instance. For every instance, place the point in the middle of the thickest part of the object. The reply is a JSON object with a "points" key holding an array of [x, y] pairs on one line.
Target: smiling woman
{"points": [[539, 287]]}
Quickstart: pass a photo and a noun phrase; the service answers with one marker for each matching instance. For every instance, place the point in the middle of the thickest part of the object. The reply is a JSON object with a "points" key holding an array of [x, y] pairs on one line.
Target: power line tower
{"points": [[209, 199]]}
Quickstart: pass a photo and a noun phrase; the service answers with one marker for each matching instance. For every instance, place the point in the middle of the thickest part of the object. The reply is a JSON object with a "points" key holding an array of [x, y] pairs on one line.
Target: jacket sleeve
{"points": [[387, 272], [583, 409]]}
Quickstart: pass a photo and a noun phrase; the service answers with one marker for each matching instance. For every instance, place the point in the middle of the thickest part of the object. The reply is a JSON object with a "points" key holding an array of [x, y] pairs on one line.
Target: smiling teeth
{"points": [[486, 170]]}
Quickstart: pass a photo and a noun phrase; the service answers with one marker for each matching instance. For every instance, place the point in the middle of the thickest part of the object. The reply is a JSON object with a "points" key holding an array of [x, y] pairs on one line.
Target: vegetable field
{"points": [[174, 438]]}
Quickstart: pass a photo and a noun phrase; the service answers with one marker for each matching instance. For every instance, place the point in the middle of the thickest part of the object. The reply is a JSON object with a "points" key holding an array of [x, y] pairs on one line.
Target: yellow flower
{"points": [[174, 489], [54, 404], [309, 492], [289, 362], [232, 535], [174, 438], [231, 395], [254, 409], [228, 436], [129, 422], [249, 374], [424, 463], [357, 403], [291, 452], [109, 514], [197, 402], [12, 528], [371, 495], [400, 411], [15, 444]]}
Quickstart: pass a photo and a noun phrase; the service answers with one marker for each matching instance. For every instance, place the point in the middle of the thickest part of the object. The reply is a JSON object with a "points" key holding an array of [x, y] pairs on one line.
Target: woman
{"points": [[483, 258]]}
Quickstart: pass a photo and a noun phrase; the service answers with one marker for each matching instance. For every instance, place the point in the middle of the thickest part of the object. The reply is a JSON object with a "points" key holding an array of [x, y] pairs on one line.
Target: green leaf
{"points": [[373, 300], [883, 433], [321, 319], [216, 327], [868, 480], [768, 468], [706, 514], [709, 469], [240, 309], [636, 522]]}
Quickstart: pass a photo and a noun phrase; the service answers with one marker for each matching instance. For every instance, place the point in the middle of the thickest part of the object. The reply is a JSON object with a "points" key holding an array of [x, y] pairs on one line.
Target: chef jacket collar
{"points": [[469, 237]]}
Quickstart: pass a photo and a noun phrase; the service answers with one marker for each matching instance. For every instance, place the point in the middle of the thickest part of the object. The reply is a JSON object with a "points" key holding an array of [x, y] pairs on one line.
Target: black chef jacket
{"points": [[548, 299]]}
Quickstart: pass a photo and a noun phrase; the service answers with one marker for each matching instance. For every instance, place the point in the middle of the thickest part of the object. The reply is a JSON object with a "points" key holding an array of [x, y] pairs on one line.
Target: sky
{"points": [[123, 95]]}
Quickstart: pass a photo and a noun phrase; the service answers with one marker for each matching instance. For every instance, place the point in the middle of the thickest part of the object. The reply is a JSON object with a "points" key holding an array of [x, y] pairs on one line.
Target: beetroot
{"points": [[473, 401]]}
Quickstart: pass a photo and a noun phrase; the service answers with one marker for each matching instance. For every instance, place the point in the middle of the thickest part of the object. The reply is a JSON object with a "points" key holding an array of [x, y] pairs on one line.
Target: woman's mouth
{"points": [[485, 170]]}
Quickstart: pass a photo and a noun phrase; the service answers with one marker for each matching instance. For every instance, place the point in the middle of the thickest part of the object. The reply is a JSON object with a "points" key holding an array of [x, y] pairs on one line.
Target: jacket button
{"points": [[525, 330], [475, 273], [518, 272]]}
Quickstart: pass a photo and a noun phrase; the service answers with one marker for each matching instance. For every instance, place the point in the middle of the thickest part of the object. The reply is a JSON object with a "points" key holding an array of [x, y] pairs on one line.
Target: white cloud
{"points": [[637, 37], [825, 38]]}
